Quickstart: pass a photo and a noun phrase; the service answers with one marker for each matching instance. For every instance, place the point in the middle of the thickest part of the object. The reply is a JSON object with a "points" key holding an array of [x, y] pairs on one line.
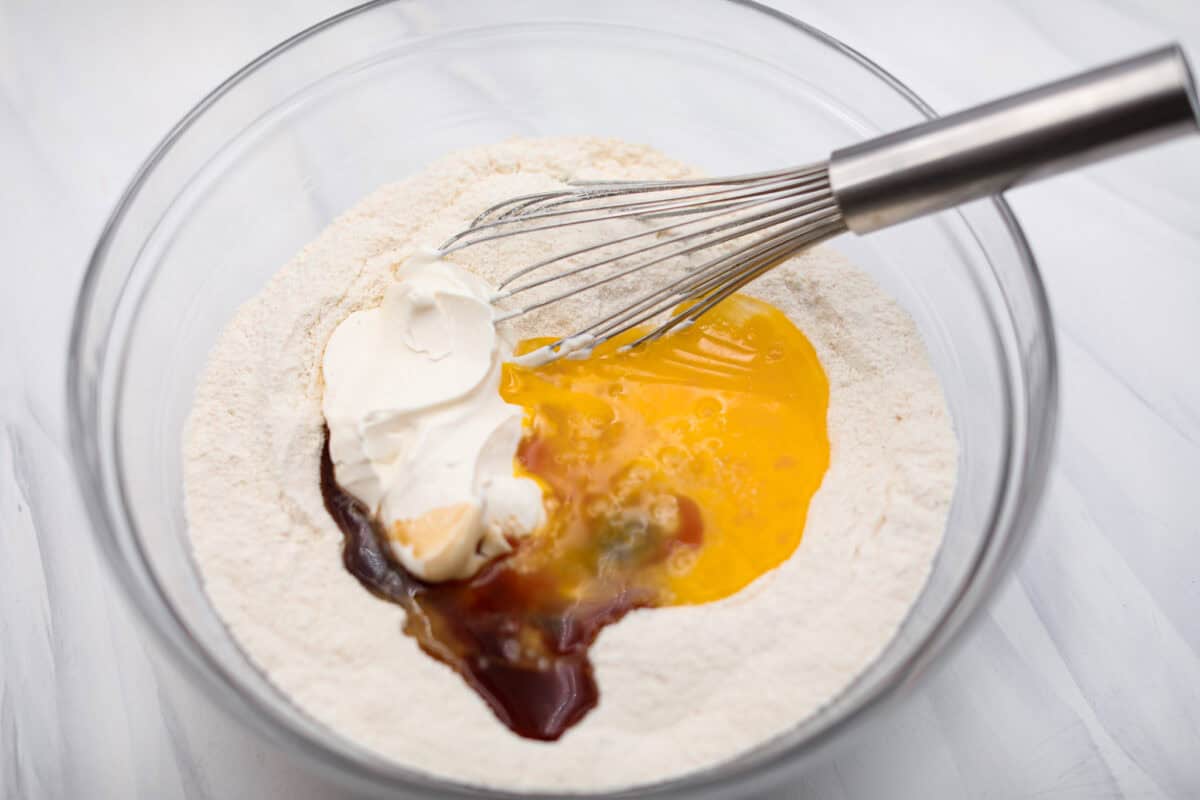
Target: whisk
{"points": [[721, 233]]}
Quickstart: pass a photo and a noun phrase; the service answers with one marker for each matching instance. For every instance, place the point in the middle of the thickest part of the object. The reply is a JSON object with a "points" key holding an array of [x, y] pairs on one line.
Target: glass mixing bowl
{"points": [[263, 163]]}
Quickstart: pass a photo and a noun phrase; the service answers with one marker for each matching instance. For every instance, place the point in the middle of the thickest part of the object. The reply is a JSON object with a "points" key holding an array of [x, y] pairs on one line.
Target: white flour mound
{"points": [[681, 688]]}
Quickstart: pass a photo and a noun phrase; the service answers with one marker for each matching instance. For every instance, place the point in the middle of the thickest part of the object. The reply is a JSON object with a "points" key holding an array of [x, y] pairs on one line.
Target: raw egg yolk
{"points": [[683, 467]]}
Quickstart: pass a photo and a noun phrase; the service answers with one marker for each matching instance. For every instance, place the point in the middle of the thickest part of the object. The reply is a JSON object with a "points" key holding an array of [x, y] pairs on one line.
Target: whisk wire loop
{"points": [[744, 224]]}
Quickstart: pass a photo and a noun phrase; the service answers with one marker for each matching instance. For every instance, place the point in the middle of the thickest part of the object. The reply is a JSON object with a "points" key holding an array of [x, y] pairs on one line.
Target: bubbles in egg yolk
{"points": [[683, 467]]}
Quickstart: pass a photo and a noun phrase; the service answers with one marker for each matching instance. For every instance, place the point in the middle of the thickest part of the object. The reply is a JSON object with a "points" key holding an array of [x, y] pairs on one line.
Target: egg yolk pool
{"points": [[686, 464], [674, 473]]}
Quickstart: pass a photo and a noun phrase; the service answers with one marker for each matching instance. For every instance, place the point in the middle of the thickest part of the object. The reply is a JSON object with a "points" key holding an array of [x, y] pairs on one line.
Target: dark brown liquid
{"points": [[518, 636]]}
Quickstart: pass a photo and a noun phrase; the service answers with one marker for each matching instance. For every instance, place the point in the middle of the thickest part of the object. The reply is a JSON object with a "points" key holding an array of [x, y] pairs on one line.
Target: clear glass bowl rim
{"points": [[1016, 507]]}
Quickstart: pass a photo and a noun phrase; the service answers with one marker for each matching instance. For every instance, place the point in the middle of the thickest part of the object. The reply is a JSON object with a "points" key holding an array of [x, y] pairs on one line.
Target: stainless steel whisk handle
{"points": [[1019, 139]]}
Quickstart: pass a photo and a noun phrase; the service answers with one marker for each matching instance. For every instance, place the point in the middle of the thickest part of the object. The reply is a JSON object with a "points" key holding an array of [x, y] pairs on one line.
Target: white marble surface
{"points": [[1083, 679]]}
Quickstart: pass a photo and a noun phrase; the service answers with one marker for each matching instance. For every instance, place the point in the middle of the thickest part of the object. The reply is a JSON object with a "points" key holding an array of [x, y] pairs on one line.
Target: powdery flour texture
{"points": [[681, 688]]}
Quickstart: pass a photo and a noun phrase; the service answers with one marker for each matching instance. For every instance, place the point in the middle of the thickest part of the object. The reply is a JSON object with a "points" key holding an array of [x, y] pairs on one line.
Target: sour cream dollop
{"points": [[418, 431]]}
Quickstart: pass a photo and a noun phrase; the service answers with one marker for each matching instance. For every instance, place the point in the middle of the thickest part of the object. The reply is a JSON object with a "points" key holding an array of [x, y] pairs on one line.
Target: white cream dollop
{"points": [[418, 431]]}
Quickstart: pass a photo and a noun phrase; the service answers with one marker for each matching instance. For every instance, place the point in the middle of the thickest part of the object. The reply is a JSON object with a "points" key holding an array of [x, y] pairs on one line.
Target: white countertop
{"points": [[1081, 681]]}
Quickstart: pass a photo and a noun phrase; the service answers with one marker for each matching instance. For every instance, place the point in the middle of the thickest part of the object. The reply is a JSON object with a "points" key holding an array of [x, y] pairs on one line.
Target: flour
{"points": [[681, 687]]}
